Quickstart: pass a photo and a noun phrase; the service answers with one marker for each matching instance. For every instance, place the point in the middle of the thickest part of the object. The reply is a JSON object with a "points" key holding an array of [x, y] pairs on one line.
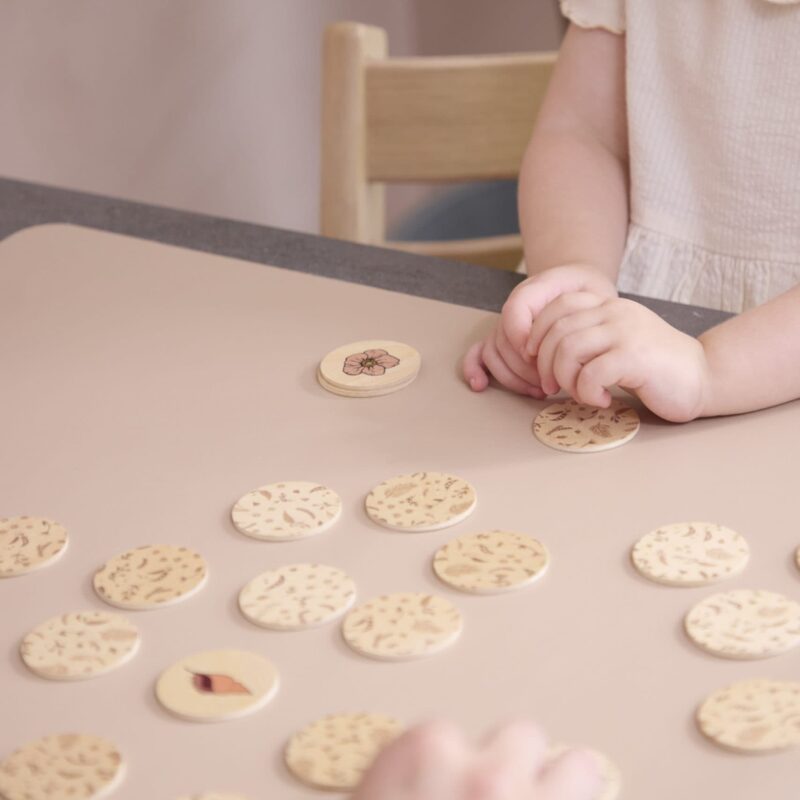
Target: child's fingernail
{"points": [[473, 384]]}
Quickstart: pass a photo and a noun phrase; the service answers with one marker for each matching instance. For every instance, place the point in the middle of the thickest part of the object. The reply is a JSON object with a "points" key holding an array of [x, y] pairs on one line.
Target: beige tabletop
{"points": [[144, 388]]}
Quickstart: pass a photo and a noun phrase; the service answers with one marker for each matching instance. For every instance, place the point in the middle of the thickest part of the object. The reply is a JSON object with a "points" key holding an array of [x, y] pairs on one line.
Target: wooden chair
{"points": [[444, 119]]}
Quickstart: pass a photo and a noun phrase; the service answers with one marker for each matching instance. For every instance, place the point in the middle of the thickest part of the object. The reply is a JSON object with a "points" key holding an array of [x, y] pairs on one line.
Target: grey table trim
{"points": [[24, 204]]}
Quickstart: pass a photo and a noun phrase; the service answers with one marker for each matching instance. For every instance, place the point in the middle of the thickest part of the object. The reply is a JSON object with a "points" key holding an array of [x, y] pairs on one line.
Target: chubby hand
{"points": [[583, 343], [435, 762], [501, 353]]}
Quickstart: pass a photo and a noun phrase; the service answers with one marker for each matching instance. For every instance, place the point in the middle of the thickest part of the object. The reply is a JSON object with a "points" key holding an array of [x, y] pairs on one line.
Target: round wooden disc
{"points": [[217, 685], [491, 562], [577, 428], [690, 554], [297, 596], [285, 511], [379, 391], [151, 576], [753, 716], [335, 752], [745, 623], [80, 645], [402, 626], [421, 501], [370, 364], [77, 766], [29, 543]]}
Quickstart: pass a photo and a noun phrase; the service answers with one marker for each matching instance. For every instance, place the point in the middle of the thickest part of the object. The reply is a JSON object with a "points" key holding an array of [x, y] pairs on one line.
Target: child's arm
{"points": [[573, 201], [754, 359], [573, 191]]}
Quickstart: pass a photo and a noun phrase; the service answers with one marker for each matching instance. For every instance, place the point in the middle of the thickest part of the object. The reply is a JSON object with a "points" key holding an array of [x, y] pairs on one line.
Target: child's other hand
{"points": [[434, 762], [584, 343], [502, 354]]}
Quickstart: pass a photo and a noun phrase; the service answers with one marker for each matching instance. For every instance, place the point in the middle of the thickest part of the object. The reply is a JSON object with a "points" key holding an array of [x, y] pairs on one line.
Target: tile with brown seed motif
{"points": [[297, 596], [758, 716], [402, 626], [745, 623], [286, 511], [690, 554], [491, 562], [29, 543], [334, 752], [151, 576], [69, 765], [421, 501], [578, 428], [217, 685], [80, 645]]}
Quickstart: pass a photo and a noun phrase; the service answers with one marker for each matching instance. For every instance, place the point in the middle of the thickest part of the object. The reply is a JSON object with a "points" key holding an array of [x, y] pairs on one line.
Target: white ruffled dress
{"points": [[713, 94]]}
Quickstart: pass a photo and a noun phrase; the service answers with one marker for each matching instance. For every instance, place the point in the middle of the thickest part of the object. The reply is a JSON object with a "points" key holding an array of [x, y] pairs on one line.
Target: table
{"points": [[154, 385], [24, 204]]}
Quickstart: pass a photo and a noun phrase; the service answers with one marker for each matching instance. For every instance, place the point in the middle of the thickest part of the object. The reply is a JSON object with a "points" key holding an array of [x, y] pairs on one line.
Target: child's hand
{"points": [[502, 353], [584, 343], [434, 762]]}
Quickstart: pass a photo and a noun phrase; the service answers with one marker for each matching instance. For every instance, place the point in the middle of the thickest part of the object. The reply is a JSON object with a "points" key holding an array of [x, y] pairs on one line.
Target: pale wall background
{"points": [[207, 105]]}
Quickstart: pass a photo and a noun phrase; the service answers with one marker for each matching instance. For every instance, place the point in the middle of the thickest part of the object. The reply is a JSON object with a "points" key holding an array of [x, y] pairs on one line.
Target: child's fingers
{"points": [[606, 370], [502, 372], [518, 748], [425, 763], [570, 324], [516, 316], [576, 349], [550, 315], [525, 303], [472, 368], [575, 775], [513, 360]]}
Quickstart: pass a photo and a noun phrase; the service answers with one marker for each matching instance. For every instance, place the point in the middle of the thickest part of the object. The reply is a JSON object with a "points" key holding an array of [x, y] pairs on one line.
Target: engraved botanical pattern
{"points": [[753, 716], [150, 576], [403, 625], [79, 645], [370, 362], [690, 553], [492, 561], [745, 623], [422, 501], [334, 752], [369, 366], [288, 510], [217, 685], [207, 683], [579, 428], [28, 543], [297, 596], [69, 765]]}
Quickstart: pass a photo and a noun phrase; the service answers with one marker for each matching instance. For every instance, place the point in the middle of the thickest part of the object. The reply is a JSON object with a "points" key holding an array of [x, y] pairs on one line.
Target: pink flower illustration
{"points": [[370, 362]]}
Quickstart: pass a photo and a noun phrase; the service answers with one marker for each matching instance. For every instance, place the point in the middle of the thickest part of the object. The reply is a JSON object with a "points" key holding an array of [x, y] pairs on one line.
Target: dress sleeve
{"points": [[608, 14]]}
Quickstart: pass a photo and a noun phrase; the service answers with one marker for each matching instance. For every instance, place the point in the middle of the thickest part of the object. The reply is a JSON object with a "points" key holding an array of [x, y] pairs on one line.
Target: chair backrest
{"points": [[434, 120]]}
